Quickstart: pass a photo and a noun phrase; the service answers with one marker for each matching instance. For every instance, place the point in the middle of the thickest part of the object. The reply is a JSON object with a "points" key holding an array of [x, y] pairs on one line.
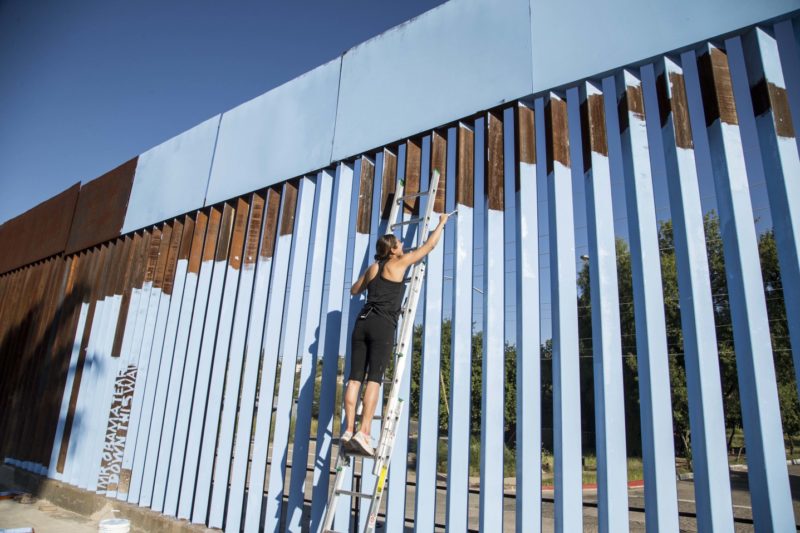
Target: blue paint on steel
{"points": [[143, 477], [67, 396], [230, 304], [145, 380], [779, 154], [209, 288], [428, 434], [492, 363], [266, 387], [529, 437], [767, 474], [283, 133], [171, 178], [661, 506], [477, 34], [252, 324], [173, 393], [357, 257], [310, 348], [789, 51], [212, 330], [328, 341], [612, 468], [709, 449], [460, 372], [629, 35], [566, 378], [294, 306], [143, 435]]}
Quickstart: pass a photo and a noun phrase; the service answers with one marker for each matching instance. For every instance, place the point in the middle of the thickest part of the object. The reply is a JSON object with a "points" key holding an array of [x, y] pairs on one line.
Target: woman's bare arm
{"points": [[361, 283], [417, 255]]}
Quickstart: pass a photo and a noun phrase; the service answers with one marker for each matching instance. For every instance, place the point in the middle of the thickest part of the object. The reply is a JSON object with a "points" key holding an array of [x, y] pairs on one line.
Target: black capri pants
{"points": [[371, 347]]}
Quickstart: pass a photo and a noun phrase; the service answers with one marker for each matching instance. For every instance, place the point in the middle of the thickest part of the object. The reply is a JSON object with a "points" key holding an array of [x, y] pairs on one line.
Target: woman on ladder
{"points": [[373, 336]]}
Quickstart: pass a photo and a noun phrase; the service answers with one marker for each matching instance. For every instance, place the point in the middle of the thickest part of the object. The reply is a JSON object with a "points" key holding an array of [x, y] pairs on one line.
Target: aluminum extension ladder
{"points": [[394, 406]]}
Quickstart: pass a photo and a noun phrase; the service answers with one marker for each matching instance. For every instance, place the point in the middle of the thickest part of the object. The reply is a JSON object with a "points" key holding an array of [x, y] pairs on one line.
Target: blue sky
{"points": [[87, 85]]}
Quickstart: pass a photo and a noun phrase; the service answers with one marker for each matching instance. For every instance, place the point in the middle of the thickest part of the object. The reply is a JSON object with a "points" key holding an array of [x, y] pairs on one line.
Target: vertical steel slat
{"points": [[310, 349], [73, 364], [120, 412], [139, 351], [357, 259], [249, 381], [428, 432], [201, 457], [142, 479], [493, 352], [767, 474], [187, 462], [133, 464], [328, 342], [566, 378], [789, 52], [371, 222], [208, 293], [210, 498], [269, 349], [658, 449], [706, 416], [529, 408], [461, 351], [416, 156], [178, 357], [779, 155], [289, 340], [612, 479]]}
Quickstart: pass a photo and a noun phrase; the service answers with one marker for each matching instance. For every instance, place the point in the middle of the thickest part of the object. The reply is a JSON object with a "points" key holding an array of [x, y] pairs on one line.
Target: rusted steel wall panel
{"points": [[39, 232], [101, 208]]}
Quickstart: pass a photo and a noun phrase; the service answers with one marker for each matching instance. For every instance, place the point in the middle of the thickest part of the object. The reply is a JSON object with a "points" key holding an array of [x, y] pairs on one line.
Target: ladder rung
{"points": [[410, 221], [410, 196], [354, 494]]}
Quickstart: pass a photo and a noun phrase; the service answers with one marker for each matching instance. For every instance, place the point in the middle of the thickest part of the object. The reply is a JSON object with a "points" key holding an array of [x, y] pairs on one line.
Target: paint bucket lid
{"points": [[115, 525]]}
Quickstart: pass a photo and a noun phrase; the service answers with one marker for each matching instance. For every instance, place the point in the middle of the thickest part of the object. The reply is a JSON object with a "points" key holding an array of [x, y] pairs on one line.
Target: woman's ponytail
{"points": [[383, 248]]}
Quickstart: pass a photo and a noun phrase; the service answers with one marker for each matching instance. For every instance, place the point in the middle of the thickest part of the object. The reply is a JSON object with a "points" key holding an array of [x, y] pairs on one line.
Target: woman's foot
{"points": [[344, 440], [360, 445]]}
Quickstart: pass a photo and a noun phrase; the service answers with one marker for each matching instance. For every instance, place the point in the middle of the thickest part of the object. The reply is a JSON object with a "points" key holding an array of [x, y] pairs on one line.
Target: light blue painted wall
{"points": [[461, 57], [281, 134], [574, 39], [171, 178]]}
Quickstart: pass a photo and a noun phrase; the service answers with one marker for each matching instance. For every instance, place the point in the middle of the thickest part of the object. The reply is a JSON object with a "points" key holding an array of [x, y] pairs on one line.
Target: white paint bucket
{"points": [[114, 525]]}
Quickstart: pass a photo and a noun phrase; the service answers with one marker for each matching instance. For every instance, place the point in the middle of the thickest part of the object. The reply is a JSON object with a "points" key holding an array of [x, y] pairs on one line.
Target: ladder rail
{"points": [[402, 350]]}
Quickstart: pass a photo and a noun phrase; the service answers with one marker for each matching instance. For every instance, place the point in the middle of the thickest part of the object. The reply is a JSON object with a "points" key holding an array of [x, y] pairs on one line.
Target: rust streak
{"points": [[254, 229], [225, 229], [163, 251], [680, 111], [439, 162], [239, 228], [389, 182], [365, 196], [465, 170], [556, 130], [152, 255], [289, 207], [494, 174], [716, 87], [413, 160], [212, 234], [197, 241], [172, 256], [271, 222], [769, 97]]}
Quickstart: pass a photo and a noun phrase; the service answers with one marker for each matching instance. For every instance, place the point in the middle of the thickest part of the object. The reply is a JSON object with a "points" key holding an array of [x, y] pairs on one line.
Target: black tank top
{"points": [[385, 297]]}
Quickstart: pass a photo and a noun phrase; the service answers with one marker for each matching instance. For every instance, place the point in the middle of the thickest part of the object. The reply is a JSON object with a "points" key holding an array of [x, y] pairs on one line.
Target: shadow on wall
{"points": [[33, 380]]}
